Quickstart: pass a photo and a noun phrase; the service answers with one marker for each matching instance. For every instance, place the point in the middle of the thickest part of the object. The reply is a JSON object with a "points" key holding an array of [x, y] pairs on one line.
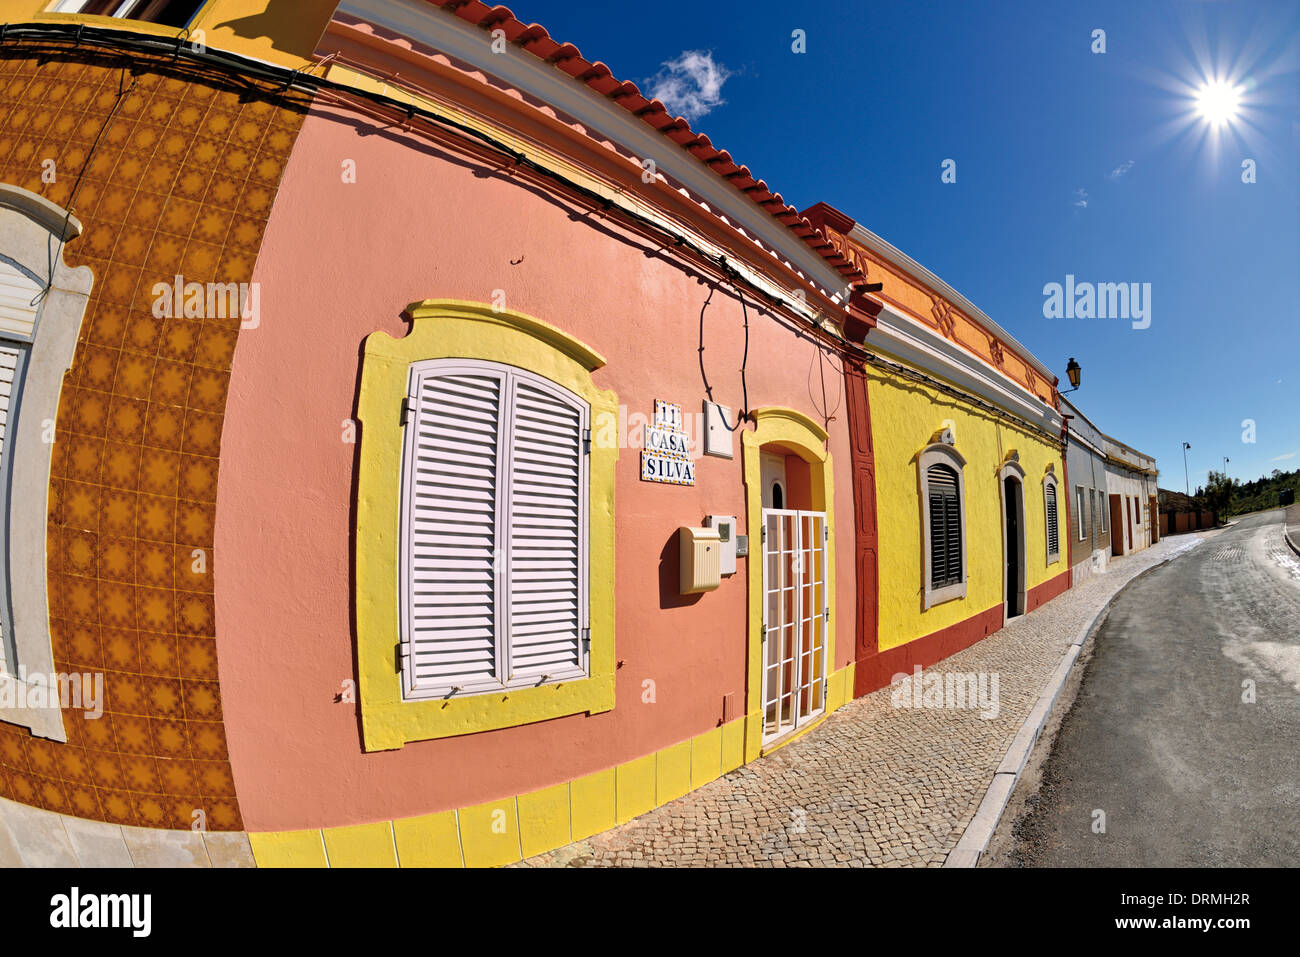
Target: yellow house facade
{"points": [[962, 512]]}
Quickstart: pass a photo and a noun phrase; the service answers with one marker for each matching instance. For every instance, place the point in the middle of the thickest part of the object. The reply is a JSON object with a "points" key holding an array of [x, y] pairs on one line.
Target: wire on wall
{"points": [[231, 64], [57, 252]]}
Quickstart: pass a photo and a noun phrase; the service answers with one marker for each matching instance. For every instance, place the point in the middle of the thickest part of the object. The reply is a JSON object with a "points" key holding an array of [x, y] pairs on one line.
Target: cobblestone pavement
{"points": [[873, 785]]}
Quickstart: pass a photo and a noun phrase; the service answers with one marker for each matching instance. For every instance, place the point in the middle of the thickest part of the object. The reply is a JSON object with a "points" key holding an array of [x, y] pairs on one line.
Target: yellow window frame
{"points": [[455, 329]]}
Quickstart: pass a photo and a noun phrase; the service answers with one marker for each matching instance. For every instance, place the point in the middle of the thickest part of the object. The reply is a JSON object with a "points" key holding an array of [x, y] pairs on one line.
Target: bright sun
{"points": [[1217, 102]]}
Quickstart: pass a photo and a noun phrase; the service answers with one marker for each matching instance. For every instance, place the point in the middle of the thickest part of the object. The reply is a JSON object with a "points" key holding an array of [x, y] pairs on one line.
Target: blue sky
{"points": [[1038, 125]]}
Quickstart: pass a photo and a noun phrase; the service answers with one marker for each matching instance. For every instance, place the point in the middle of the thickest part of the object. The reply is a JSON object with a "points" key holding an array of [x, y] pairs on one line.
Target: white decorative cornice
{"points": [[916, 345], [909, 265]]}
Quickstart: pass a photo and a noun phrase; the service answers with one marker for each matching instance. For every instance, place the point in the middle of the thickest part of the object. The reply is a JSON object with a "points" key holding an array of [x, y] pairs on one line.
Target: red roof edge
{"points": [[824, 214], [597, 76]]}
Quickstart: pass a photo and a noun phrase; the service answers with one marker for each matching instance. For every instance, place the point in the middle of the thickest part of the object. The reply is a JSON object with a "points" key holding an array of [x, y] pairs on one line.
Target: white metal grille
{"points": [[796, 608]]}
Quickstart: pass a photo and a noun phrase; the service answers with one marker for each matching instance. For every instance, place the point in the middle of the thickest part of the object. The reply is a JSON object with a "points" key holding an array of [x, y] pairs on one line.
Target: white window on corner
{"points": [[171, 13], [494, 530], [20, 293]]}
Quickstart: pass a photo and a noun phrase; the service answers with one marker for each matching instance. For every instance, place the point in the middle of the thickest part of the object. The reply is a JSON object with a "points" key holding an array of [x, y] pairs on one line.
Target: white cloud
{"points": [[1081, 198], [1121, 169], [1289, 455], [690, 85]]}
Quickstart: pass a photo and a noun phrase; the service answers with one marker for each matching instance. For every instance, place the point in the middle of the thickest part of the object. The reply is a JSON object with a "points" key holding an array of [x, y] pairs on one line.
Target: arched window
{"points": [[42, 303], [943, 522]]}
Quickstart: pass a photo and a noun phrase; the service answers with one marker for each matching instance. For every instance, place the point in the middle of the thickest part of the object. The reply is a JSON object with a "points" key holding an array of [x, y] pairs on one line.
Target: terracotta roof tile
{"points": [[567, 57]]}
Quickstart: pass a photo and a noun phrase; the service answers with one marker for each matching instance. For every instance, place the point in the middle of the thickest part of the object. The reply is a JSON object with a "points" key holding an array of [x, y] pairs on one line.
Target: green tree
{"points": [[1218, 493]]}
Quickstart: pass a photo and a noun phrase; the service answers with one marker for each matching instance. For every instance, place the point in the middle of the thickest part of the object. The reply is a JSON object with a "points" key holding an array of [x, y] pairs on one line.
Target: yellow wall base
{"points": [[511, 829]]}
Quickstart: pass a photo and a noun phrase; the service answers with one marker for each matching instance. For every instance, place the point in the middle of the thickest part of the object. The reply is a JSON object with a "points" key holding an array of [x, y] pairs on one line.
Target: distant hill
{"points": [[1263, 492]]}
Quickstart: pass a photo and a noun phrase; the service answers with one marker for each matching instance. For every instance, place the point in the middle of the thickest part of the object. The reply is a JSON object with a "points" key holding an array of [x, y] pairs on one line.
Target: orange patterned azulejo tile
{"points": [[178, 180]]}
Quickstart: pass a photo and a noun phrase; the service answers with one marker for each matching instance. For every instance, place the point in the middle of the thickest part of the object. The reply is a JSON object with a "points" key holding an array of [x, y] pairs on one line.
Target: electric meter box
{"points": [[725, 525], [700, 559], [718, 431]]}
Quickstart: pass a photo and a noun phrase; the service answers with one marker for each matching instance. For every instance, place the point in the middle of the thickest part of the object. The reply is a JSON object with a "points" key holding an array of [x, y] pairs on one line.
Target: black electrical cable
{"points": [[57, 252], [287, 79], [744, 362]]}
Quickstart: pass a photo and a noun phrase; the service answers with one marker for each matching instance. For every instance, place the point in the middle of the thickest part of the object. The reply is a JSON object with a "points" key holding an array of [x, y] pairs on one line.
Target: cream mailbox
{"points": [[700, 559]]}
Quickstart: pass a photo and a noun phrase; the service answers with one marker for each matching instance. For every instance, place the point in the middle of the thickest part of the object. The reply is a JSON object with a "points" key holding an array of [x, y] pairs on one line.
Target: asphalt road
{"points": [[1159, 738]]}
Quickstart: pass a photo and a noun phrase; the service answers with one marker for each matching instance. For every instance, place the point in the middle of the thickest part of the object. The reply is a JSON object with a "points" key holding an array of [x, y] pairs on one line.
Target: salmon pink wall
{"points": [[341, 260]]}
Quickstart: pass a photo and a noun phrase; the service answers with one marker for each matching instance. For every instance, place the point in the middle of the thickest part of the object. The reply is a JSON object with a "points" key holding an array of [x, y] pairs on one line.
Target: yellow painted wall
{"points": [[905, 415], [281, 33]]}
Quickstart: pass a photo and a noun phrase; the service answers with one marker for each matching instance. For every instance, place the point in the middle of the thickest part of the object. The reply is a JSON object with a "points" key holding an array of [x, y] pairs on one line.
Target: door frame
{"points": [[798, 721], [1116, 524], [1011, 470], [793, 433]]}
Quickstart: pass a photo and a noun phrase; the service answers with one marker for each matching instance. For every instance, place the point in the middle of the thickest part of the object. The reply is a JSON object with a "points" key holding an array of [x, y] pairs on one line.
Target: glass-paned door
{"points": [[796, 608]]}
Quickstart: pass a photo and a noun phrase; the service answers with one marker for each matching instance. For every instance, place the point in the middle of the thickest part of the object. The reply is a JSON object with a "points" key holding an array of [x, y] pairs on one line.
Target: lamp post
{"points": [[1075, 373], [1186, 482]]}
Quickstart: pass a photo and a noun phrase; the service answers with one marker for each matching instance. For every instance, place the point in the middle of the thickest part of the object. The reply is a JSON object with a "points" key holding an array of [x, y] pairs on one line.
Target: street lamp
{"points": [[1074, 371], [1186, 483]]}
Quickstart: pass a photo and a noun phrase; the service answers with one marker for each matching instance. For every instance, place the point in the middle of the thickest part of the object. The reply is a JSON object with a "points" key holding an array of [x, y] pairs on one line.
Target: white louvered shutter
{"points": [[17, 290], [547, 515], [494, 492], [10, 362], [9, 359], [451, 519]]}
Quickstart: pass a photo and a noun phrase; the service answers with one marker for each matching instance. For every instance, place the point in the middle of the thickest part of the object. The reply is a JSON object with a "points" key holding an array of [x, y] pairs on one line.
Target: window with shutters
{"points": [[494, 522], [18, 295], [171, 13], [42, 305], [485, 493], [1052, 518], [945, 527], [943, 502]]}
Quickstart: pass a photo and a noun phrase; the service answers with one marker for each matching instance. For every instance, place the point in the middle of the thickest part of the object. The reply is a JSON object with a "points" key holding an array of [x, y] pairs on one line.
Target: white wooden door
{"points": [[795, 613]]}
